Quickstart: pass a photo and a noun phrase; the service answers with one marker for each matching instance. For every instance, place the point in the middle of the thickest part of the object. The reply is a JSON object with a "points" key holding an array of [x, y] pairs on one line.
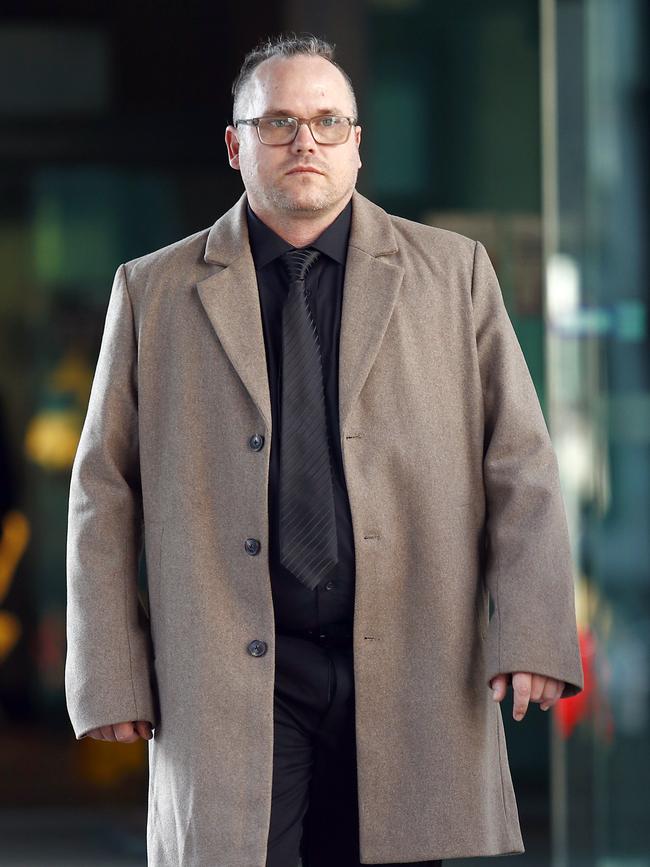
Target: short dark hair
{"points": [[286, 45]]}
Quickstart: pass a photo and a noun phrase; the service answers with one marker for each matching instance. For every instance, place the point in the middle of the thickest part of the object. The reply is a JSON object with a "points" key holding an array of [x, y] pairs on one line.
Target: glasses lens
{"points": [[327, 129], [276, 130], [330, 130]]}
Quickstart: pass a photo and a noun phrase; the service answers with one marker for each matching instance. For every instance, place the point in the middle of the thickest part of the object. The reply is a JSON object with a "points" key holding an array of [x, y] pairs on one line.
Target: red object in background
{"points": [[569, 712]]}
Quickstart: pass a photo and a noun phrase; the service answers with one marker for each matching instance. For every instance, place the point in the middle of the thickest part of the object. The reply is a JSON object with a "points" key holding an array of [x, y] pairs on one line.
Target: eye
{"points": [[328, 120], [280, 122]]}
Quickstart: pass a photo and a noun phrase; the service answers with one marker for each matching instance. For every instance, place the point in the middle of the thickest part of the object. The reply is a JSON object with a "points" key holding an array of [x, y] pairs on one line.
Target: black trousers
{"points": [[314, 809]]}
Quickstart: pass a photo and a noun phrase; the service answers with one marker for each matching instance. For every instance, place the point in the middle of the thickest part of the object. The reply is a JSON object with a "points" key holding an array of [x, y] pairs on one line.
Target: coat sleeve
{"points": [[528, 563], [108, 669]]}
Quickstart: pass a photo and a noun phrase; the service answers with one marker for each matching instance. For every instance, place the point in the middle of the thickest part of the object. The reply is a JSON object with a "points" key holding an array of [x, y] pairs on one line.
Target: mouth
{"points": [[303, 170]]}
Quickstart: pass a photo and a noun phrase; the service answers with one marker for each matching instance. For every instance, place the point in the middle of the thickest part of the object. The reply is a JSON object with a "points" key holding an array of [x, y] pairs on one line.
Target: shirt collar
{"points": [[266, 245]]}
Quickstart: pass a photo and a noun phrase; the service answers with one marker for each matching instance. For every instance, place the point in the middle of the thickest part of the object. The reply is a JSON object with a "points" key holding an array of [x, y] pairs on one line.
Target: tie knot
{"points": [[297, 262]]}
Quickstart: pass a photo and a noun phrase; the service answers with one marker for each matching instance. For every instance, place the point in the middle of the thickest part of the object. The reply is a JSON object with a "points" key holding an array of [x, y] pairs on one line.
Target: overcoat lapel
{"points": [[369, 294], [231, 300]]}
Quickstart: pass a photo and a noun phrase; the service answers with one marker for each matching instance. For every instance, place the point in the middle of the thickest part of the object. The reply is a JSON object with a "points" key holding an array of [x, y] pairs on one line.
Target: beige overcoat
{"points": [[454, 494]]}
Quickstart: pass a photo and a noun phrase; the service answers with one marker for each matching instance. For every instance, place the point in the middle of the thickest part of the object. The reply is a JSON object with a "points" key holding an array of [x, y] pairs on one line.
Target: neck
{"points": [[299, 229]]}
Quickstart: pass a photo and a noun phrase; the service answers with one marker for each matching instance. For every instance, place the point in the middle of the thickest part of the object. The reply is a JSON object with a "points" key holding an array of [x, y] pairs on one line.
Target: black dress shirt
{"points": [[332, 603]]}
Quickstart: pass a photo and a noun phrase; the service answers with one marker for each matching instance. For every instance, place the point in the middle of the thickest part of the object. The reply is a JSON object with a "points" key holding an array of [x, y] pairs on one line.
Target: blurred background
{"points": [[521, 123]]}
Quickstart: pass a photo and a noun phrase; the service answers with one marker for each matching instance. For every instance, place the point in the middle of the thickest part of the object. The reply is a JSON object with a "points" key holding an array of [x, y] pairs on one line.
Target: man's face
{"points": [[303, 87]]}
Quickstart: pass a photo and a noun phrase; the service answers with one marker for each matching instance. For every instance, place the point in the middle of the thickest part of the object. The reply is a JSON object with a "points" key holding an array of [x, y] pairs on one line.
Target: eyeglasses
{"points": [[325, 129]]}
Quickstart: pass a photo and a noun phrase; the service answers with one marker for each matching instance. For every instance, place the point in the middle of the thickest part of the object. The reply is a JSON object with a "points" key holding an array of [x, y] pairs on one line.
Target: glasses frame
{"points": [[255, 121]]}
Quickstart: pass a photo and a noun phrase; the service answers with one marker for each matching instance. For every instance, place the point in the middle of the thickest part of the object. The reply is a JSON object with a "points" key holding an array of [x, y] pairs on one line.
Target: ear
{"points": [[357, 137], [232, 145]]}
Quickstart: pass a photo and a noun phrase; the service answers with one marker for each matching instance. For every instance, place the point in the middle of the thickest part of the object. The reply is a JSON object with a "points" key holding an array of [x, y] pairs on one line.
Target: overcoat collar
{"points": [[231, 300]]}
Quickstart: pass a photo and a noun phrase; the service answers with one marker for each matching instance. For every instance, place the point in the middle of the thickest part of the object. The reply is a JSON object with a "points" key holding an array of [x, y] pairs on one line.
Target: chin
{"points": [[306, 202]]}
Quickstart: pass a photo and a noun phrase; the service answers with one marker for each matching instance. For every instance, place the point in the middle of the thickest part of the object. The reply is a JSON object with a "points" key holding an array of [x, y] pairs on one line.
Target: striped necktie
{"points": [[307, 523]]}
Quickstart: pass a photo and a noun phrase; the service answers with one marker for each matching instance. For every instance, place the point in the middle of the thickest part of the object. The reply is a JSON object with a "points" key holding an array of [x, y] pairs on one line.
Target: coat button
{"points": [[330, 585], [256, 442], [257, 647], [252, 546]]}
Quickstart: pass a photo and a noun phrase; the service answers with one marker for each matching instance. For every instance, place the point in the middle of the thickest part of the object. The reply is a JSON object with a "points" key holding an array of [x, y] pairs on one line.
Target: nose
{"points": [[304, 140]]}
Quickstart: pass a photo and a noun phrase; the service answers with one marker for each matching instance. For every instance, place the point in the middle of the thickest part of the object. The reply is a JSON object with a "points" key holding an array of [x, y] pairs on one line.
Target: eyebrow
{"points": [[286, 112]]}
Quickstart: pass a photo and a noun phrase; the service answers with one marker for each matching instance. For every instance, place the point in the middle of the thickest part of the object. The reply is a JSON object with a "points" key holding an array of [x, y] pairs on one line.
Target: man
{"points": [[319, 418]]}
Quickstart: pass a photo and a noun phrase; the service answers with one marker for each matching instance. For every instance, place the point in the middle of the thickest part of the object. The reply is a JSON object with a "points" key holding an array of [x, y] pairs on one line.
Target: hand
{"points": [[126, 732], [527, 687]]}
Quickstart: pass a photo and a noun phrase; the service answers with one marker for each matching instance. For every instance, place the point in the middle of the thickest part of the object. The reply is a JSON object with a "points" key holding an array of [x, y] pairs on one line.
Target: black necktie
{"points": [[307, 524]]}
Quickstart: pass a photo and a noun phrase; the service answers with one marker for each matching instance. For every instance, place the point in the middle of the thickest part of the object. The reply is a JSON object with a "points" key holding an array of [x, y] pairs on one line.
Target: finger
{"points": [[107, 733], [552, 693], [125, 732], [537, 684], [549, 695], [496, 685], [549, 692], [538, 687], [143, 727], [521, 687], [499, 686]]}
